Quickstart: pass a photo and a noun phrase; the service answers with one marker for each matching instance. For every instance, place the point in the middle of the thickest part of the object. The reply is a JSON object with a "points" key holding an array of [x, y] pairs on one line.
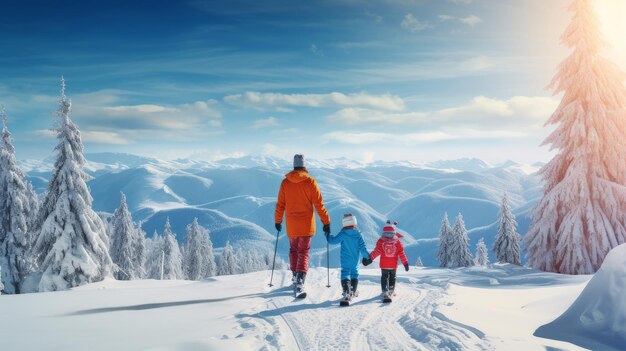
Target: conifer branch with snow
{"points": [[173, 261], [15, 213], [70, 248], [198, 260], [123, 243], [482, 257], [582, 214], [459, 254], [445, 235], [507, 242]]}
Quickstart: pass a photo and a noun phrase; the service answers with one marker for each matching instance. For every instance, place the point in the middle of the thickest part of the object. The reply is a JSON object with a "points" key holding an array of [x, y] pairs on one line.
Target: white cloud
{"points": [[481, 113], [104, 117], [315, 50], [281, 101], [265, 123], [412, 24], [104, 138], [470, 20], [99, 137], [362, 138]]}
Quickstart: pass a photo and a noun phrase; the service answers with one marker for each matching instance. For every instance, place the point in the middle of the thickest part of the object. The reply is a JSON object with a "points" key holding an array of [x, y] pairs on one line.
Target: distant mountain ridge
{"points": [[235, 197]]}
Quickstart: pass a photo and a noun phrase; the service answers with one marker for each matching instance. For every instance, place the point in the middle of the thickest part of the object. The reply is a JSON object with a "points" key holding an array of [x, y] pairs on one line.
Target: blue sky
{"points": [[417, 79]]}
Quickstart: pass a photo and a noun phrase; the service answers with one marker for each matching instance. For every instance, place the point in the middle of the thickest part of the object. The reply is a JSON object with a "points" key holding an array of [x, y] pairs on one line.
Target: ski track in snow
{"points": [[317, 322]]}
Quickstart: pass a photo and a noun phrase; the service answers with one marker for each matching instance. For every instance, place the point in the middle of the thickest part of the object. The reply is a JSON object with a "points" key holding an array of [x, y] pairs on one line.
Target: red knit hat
{"points": [[389, 229]]}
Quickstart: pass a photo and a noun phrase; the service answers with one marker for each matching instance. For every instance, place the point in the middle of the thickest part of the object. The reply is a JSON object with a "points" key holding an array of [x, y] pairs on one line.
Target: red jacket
{"points": [[389, 249]]}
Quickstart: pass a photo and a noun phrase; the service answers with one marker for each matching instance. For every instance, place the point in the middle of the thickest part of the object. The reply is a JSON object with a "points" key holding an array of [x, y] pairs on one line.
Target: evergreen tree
{"points": [[1, 285], [582, 214], [507, 244], [123, 243], [482, 257], [460, 255], [70, 248], [198, 260], [419, 262], [173, 263], [154, 256], [14, 213], [140, 251], [32, 213], [445, 236], [228, 263]]}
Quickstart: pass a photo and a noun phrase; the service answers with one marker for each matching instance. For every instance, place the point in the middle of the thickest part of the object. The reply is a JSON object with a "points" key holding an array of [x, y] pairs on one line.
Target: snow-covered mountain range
{"points": [[235, 198]]}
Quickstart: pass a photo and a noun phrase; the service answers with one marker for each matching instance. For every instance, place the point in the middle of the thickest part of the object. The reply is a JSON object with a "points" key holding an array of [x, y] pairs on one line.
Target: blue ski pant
{"points": [[350, 272]]}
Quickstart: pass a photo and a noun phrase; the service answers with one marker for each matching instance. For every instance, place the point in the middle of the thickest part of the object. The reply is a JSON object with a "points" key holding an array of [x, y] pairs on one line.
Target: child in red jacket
{"points": [[389, 248]]}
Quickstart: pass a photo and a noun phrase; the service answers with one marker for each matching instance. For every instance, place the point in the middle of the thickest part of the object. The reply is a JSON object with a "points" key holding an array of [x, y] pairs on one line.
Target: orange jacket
{"points": [[298, 195]]}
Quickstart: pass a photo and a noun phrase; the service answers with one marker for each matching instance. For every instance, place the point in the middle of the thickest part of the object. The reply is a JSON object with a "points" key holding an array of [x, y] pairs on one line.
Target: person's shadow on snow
{"points": [[150, 306]]}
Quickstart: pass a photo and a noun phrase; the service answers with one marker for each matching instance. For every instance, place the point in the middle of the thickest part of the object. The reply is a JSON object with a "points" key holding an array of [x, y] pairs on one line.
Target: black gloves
{"points": [[406, 267], [366, 261], [327, 229], [279, 226]]}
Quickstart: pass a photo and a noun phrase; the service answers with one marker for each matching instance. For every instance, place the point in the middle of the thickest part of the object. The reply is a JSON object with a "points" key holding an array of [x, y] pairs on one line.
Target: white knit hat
{"points": [[348, 220]]}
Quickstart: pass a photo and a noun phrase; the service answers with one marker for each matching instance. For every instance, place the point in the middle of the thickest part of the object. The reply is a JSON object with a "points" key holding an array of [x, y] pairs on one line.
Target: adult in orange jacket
{"points": [[298, 195]]}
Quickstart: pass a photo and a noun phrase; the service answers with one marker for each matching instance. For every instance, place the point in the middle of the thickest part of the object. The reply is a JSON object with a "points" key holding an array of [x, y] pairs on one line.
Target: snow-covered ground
{"points": [[497, 308]]}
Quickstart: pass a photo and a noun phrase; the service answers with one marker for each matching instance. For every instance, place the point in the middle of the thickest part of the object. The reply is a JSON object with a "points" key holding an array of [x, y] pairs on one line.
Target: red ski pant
{"points": [[299, 253]]}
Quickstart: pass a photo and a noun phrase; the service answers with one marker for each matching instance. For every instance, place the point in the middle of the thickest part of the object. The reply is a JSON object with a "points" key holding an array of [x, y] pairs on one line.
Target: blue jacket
{"points": [[352, 244]]}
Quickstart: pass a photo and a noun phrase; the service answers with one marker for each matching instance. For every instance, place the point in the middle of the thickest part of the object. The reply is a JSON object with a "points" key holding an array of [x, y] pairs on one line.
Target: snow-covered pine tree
{"points": [[154, 256], [228, 263], [459, 251], [14, 211], [583, 210], [419, 262], [123, 243], [173, 266], [445, 235], [507, 244], [70, 248], [1, 285], [198, 260], [33, 205], [482, 257], [140, 252]]}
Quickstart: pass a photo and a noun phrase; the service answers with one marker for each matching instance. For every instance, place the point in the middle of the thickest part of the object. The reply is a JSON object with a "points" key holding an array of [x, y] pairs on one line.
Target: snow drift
{"points": [[597, 319]]}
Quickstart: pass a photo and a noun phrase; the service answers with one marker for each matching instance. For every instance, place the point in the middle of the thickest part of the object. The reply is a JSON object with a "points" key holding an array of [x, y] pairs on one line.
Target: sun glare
{"points": [[612, 14]]}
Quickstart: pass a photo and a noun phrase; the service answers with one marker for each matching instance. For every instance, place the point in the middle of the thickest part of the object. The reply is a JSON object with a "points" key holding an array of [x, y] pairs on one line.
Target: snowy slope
{"points": [[597, 319], [470, 309]]}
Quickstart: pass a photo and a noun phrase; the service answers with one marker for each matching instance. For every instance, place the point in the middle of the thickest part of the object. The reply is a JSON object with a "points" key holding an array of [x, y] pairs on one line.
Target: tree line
{"points": [[454, 249]]}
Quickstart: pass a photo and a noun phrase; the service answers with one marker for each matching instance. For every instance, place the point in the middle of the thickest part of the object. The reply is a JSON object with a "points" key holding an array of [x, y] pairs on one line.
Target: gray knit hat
{"points": [[298, 160]]}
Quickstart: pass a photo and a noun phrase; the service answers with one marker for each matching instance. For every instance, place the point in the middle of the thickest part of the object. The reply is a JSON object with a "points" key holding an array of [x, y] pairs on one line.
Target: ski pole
{"points": [[274, 263], [328, 263]]}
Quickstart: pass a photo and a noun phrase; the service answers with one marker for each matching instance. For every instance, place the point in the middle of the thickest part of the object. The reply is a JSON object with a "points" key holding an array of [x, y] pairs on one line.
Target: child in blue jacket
{"points": [[352, 246]]}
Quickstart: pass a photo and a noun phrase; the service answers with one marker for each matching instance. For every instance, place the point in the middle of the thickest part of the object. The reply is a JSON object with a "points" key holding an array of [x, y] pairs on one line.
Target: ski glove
{"points": [[279, 226], [366, 261], [406, 267], [327, 229]]}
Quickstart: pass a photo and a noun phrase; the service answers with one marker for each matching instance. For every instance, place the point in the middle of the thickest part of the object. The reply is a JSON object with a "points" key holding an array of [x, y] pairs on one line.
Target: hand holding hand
{"points": [[327, 229], [366, 261]]}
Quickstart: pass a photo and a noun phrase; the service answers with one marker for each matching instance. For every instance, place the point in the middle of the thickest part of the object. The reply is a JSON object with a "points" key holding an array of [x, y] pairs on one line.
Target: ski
{"points": [[386, 299], [301, 295], [344, 303]]}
